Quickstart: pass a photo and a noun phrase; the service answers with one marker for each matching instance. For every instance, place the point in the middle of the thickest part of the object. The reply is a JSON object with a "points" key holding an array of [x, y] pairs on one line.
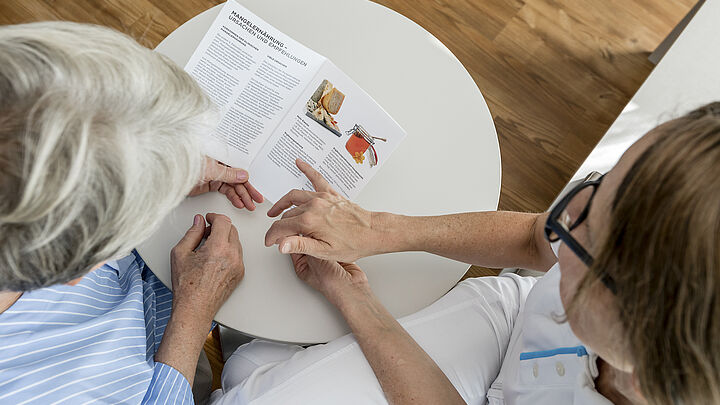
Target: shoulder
{"points": [[545, 362], [75, 342]]}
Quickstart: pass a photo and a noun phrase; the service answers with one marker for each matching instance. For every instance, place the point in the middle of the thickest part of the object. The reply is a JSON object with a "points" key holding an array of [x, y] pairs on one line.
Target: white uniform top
{"points": [[494, 338], [545, 362]]}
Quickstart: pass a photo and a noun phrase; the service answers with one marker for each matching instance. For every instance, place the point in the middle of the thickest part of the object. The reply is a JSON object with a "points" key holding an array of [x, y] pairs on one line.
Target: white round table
{"points": [[449, 162]]}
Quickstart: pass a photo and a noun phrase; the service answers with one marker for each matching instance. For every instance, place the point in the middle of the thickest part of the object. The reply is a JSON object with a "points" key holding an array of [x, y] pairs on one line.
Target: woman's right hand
{"points": [[323, 223], [203, 278]]}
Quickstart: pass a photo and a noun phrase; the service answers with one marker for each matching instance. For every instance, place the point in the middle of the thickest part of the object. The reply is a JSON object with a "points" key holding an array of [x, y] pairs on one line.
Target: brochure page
{"points": [[280, 101], [334, 126], [253, 73]]}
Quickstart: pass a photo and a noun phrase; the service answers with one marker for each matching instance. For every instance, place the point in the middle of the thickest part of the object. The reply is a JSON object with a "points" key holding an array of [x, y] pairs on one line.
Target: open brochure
{"points": [[279, 100]]}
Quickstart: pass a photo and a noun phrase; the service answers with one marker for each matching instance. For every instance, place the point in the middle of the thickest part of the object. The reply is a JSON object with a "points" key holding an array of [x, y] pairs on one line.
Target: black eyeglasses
{"points": [[560, 223]]}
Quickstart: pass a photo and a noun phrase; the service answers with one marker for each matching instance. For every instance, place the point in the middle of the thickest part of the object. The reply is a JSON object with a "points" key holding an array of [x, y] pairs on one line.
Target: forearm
{"points": [[406, 373], [183, 340], [492, 239]]}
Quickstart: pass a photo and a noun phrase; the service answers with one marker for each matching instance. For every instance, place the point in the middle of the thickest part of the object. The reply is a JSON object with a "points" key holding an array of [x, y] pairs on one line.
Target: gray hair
{"points": [[98, 142]]}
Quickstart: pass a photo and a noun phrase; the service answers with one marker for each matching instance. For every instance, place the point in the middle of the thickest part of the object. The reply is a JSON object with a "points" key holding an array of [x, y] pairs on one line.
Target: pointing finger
{"points": [[317, 180]]}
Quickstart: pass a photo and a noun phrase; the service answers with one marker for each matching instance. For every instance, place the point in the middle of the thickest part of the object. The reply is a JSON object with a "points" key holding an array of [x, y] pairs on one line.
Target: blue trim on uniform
{"points": [[579, 350]]}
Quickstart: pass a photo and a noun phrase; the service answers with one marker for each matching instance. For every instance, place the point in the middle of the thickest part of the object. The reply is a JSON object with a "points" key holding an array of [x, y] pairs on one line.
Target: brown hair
{"points": [[662, 248]]}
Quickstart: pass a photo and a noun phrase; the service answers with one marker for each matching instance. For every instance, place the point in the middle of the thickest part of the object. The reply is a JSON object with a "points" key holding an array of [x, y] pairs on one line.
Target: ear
{"points": [[77, 280]]}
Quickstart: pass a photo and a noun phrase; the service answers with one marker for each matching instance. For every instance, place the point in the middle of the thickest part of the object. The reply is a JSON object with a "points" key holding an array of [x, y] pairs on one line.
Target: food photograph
{"points": [[324, 104]]}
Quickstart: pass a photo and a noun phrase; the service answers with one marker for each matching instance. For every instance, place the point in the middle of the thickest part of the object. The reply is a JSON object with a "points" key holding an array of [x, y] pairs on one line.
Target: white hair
{"points": [[98, 142]]}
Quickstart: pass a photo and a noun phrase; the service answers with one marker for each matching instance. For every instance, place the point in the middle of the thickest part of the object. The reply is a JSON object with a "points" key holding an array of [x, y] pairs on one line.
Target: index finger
{"points": [[317, 180], [220, 227]]}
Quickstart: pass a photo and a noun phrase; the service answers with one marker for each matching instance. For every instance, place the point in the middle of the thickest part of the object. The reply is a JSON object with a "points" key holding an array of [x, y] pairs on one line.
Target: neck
{"points": [[7, 299], [617, 385]]}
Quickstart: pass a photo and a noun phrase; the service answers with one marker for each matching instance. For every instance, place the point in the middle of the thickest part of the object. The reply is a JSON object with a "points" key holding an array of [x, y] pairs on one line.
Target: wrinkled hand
{"points": [[323, 223], [203, 278], [229, 181], [334, 280]]}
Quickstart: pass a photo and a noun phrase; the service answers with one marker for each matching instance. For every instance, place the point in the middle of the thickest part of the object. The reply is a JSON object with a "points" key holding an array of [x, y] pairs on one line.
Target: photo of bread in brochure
{"points": [[323, 104]]}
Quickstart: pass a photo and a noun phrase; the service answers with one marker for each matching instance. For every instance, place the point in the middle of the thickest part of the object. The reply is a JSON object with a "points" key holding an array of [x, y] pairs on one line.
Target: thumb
{"points": [[193, 236], [216, 171], [300, 245]]}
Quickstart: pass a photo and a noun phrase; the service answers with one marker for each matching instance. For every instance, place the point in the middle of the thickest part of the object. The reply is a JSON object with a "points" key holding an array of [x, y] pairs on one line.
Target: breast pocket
{"points": [[559, 367]]}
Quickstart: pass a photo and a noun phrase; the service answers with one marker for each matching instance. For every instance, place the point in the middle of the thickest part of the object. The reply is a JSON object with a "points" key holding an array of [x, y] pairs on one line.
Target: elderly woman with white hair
{"points": [[98, 142]]}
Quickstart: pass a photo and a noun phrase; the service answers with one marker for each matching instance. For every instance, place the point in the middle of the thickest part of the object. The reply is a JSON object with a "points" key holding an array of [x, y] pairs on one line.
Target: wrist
{"points": [[182, 342], [188, 312], [345, 299], [364, 313], [389, 232]]}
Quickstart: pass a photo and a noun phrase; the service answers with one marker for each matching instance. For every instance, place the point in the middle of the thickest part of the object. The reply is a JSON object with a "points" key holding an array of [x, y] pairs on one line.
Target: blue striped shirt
{"points": [[90, 343]]}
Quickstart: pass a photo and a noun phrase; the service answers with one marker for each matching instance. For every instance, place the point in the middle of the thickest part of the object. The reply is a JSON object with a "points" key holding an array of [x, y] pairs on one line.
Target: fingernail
{"points": [[285, 247], [196, 220], [242, 176]]}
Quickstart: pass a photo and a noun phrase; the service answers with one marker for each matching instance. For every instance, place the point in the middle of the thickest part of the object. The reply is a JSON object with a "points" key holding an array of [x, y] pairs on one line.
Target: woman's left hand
{"points": [[405, 371], [336, 281], [229, 181]]}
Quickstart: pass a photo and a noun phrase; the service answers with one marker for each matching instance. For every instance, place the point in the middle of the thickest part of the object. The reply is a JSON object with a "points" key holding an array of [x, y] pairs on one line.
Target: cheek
{"points": [[571, 274], [588, 322]]}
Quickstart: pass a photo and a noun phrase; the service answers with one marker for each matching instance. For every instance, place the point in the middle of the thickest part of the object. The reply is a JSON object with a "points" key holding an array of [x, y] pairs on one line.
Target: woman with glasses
{"points": [[627, 313]]}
